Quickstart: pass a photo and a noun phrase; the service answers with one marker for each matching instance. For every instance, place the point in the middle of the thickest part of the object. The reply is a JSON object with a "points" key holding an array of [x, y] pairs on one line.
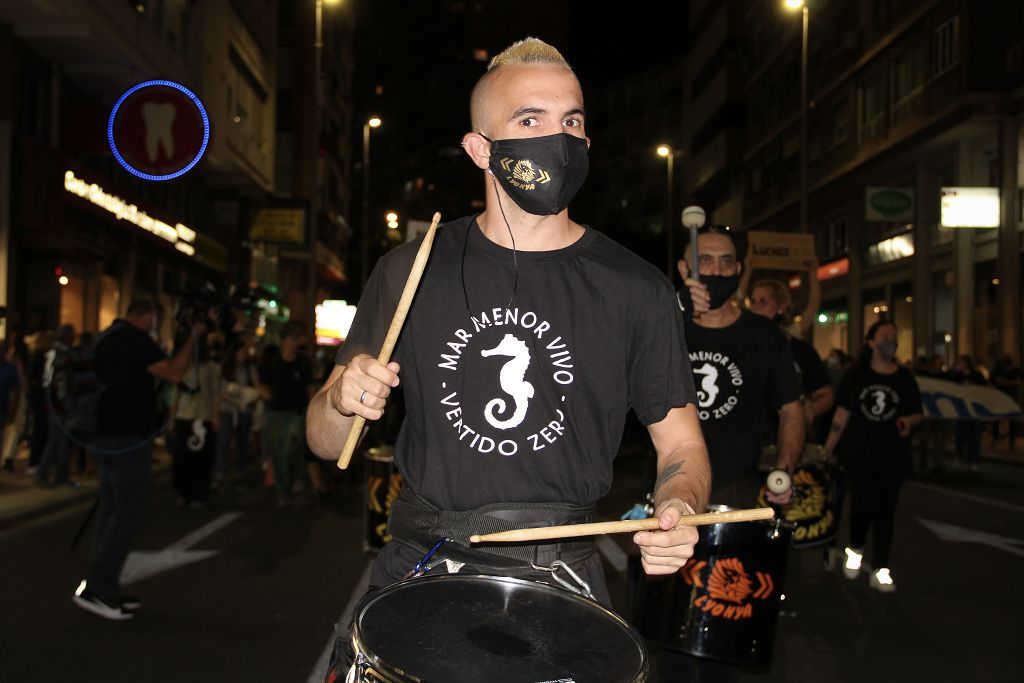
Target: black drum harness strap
{"points": [[417, 523]]}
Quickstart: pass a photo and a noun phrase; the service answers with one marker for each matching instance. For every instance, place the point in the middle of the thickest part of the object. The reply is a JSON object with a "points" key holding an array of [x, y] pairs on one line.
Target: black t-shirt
{"points": [[128, 402], [875, 402], [523, 401], [288, 382], [810, 369], [740, 371]]}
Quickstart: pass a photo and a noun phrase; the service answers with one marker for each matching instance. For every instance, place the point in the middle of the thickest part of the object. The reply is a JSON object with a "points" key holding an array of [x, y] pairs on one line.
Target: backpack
{"points": [[80, 399]]}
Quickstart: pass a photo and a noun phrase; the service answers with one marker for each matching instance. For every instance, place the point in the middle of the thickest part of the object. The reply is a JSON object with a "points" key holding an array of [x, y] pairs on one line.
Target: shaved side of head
{"points": [[523, 52]]}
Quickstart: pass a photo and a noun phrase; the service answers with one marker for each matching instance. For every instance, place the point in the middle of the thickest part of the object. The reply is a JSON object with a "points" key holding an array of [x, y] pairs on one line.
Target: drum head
{"points": [[482, 628]]}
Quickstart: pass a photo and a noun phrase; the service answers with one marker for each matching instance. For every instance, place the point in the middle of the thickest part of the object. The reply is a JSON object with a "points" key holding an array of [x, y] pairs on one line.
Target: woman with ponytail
{"points": [[877, 406]]}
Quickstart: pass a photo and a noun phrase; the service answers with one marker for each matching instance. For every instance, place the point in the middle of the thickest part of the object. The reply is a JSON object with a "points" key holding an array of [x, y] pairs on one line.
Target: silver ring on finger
{"points": [[362, 396]]}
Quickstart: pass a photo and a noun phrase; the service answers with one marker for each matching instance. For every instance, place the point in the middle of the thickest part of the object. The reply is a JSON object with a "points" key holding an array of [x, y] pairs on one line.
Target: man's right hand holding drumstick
{"points": [[684, 479], [362, 387]]}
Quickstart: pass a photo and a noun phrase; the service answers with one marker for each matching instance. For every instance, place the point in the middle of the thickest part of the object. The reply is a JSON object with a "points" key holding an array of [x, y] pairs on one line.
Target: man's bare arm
{"points": [[836, 431], [791, 435], [684, 472], [821, 401], [361, 387], [173, 369]]}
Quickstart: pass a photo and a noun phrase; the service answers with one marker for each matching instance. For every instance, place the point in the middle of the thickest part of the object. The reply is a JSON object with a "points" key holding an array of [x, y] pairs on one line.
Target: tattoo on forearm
{"points": [[670, 471]]}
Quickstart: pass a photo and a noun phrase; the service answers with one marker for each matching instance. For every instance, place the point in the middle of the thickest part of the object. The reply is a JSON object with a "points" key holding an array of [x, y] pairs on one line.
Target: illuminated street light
{"points": [[822, 318], [393, 225], [372, 122], [665, 151], [801, 5], [391, 217], [63, 280]]}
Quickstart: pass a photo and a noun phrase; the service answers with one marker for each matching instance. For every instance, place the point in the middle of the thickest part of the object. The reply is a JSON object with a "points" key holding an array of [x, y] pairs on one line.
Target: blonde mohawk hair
{"points": [[529, 51], [526, 51]]}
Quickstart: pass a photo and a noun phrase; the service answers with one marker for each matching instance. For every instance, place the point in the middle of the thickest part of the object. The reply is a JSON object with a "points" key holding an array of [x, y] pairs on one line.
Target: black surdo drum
{"points": [[458, 629], [383, 484], [724, 603]]}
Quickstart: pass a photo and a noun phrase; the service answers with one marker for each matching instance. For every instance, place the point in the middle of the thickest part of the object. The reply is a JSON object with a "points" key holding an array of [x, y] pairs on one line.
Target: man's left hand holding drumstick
{"points": [[684, 479]]}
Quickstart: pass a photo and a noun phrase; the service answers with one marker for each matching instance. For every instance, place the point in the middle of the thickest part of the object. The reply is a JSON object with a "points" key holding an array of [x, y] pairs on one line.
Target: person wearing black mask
{"points": [[743, 367], [530, 339], [878, 404]]}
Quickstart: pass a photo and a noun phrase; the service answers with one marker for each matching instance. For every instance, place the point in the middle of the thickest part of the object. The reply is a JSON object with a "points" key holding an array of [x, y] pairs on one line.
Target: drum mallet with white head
{"points": [[778, 482], [693, 220]]}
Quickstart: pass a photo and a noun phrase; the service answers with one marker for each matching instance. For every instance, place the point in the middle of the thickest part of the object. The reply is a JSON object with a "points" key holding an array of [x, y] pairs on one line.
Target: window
{"points": [[907, 84], [830, 239], [870, 110], [945, 46]]}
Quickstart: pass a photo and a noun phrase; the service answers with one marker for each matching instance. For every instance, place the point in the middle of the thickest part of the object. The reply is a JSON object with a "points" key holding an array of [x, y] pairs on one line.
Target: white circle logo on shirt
{"points": [[718, 381], [878, 402], [504, 419]]}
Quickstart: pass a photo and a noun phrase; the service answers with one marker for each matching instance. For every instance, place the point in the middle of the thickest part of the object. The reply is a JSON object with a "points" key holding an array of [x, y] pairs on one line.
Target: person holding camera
{"points": [[128, 363]]}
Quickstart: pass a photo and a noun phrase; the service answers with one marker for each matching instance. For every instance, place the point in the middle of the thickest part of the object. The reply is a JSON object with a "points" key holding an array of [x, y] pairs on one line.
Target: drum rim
{"points": [[389, 669]]}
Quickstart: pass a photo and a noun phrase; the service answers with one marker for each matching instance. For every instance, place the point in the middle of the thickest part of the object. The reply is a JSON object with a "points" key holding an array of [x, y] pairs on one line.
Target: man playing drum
{"points": [[530, 338]]}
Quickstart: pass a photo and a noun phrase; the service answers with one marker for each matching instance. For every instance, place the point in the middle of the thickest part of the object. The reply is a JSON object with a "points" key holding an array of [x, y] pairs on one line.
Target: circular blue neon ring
{"points": [[147, 176]]}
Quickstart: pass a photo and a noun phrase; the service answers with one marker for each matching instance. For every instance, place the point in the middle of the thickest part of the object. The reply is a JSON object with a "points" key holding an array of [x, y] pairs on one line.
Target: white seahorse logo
{"points": [[879, 406], [708, 391], [512, 382]]}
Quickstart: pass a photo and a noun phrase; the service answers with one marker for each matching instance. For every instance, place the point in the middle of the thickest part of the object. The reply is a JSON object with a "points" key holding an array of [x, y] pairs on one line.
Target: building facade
{"points": [[905, 98]]}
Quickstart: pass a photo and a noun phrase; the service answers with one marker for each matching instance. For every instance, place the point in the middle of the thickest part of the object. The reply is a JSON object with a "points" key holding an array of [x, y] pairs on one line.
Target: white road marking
{"points": [[966, 496], [320, 668], [612, 552], [143, 565], [959, 534]]}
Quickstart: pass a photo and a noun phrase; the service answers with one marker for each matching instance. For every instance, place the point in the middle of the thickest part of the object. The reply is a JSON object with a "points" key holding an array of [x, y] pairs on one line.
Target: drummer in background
{"points": [[878, 404], [742, 367], [771, 299], [530, 339]]}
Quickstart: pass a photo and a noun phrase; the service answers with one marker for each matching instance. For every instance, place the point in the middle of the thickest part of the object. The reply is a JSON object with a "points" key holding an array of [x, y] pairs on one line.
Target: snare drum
{"points": [[724, 603], [383, 484], [462, 629], [812, 509]]}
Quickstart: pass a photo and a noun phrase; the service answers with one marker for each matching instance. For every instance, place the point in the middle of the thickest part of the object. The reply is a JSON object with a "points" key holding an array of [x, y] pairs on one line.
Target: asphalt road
{"points": [[245, 592]]}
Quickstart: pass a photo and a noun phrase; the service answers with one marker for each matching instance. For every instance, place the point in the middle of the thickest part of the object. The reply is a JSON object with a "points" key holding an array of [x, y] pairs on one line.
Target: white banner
{"points": [[951, 401]]}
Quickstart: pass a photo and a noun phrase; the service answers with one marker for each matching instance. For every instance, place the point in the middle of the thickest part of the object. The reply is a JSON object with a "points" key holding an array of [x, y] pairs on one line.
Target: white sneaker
{"points": [[851, 566], [882, 581]]}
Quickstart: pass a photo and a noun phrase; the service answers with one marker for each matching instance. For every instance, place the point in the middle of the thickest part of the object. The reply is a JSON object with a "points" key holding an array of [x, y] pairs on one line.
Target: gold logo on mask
{"points": [[523, 174]]}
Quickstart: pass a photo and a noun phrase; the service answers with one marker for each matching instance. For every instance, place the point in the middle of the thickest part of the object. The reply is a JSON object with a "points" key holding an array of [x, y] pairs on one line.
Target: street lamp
{"points": [[372, 122], [794, 5], [392, 219], [666, 152]]}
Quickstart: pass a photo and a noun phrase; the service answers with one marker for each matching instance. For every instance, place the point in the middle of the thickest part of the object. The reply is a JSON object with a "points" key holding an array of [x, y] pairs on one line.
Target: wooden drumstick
{"points": [[404, 304], [651, 524]]}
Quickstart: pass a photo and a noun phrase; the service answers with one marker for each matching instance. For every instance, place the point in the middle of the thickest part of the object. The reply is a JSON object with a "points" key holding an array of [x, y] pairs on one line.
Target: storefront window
{"points": [[902, 308], [110, 298], [830, 329]]}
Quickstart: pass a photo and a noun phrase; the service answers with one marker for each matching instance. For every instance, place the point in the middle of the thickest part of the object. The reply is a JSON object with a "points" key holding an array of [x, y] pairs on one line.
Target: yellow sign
{"points": [[279, 225], [780, 250]]}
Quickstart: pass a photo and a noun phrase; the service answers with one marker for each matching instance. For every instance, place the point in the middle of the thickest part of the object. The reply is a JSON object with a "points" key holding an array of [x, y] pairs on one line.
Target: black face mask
{"points": [[543, 174], [720, 288]]}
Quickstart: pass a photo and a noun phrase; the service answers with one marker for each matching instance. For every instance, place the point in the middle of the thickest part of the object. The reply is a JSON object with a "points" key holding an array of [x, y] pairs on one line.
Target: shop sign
{"points": [[834, 269], [892, 249], [781, 250], [889, 204], [970, 207], [333, 321], [182, 237], [158, 130], [279, 225]]}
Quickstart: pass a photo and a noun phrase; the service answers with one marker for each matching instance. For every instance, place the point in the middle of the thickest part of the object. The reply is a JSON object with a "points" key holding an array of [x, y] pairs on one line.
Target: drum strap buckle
{"points": [[581, 587]]}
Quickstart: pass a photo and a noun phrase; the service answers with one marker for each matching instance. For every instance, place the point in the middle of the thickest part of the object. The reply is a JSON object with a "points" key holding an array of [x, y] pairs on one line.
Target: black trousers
{"points": [[192, 468], [874, 492]]}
